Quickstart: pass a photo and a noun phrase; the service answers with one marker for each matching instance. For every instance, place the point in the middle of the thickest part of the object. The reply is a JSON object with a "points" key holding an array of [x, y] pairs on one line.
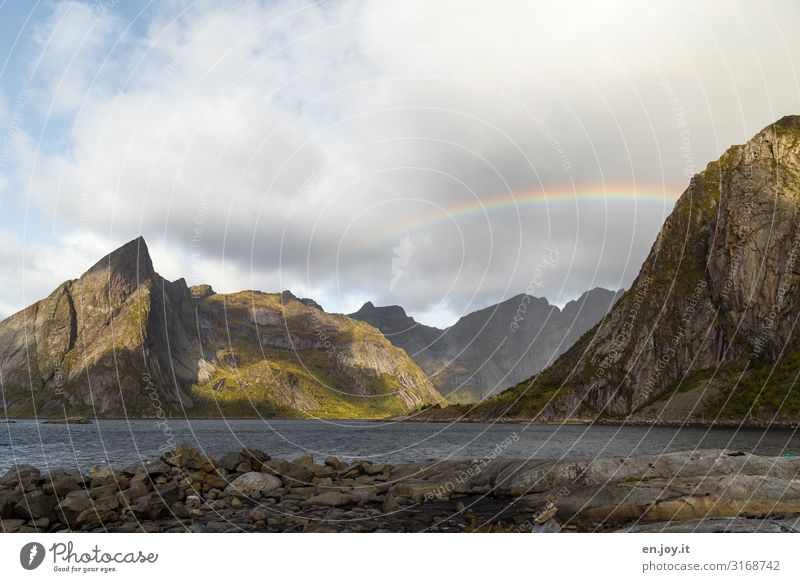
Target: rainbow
{"points": [[648, 197]]}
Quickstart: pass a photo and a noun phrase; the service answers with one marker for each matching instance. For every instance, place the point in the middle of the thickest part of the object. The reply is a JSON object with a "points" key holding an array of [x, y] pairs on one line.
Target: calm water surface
{"points": [[121, 442]]}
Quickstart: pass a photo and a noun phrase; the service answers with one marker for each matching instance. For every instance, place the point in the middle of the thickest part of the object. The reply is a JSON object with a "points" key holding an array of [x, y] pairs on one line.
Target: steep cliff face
{"points": [[493, 348], [709, 328], [123, 341]]}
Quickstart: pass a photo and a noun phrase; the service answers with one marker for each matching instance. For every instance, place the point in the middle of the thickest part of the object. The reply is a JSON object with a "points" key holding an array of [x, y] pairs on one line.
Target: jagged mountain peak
{"points": [[132, 260], [388, 309], [388, 318], [151, 347]]}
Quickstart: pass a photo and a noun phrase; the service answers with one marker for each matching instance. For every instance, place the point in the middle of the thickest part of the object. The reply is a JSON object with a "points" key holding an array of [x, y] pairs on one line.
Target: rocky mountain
{"points": [[493, 348], [708, 331], [123, 341]]}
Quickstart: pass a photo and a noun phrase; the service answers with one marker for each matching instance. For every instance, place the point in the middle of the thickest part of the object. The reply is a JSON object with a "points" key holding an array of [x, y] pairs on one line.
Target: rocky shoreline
{"points": [[437, 417], [187, 491]]}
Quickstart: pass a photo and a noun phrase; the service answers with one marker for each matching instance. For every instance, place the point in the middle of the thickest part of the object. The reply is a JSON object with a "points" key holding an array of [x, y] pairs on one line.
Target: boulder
{"points": [[322, 471], [35, 505], [185, 456], [153, 468], [255, 458], [107, 490], [72, 506], [106, 503], [179, 510], [103, 473], [11, 525], [333, 499], [230, 461], [136, 491], [169, 493], [25, 474], [214, 481], [333, 462], [149, 507], [306, 459], [63, 482], [8, 499], [253, 484], [259, 514], [277, 467], [392, 502], [298, 475], [95, 515]]}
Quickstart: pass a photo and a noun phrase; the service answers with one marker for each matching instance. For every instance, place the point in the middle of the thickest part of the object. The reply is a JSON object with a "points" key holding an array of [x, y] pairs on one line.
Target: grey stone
{"points": [[17, 474], [253, 484]]}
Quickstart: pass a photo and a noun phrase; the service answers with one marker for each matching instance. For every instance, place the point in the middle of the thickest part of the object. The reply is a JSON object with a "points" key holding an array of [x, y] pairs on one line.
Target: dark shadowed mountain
{"points": [[493, 348]]}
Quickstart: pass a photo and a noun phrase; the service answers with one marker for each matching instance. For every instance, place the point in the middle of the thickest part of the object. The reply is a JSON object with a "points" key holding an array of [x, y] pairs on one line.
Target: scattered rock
{"points": [[136, 491], [35, 505], [95, 515], [333, 462], [259, 514], [185, 456], [333, 499], [11, 525], [255, 458], [151, 468], [306, 459], [149, 507], [212, 481], [548, 514], [103, 473], [60, 484], [25, 474], [230, 461], [8, 499], [253, 484], [72, 506], [505, 495]]}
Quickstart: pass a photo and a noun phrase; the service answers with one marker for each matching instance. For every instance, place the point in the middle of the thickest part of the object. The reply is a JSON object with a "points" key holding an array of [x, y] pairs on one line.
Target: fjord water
{"points": [[121, 442]]}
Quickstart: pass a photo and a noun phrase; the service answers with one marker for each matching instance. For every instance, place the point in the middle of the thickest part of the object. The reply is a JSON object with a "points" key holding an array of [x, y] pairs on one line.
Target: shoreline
{"points": [[249, 491], [667, 423], [670, 423]]}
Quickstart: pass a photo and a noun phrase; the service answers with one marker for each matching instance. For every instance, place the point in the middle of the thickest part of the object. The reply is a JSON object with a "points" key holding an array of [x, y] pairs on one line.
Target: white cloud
{"points": [[73, 44], [302, 142], [31, 270]]}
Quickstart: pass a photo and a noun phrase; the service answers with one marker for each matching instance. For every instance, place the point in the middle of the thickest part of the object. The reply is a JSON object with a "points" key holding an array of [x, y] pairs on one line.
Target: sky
{"points": [[441, 156]]}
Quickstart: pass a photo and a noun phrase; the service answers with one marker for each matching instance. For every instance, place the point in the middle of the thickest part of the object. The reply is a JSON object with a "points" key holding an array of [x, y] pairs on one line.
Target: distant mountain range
{"points": [[123, 341], [493, 348], [709, 329]]}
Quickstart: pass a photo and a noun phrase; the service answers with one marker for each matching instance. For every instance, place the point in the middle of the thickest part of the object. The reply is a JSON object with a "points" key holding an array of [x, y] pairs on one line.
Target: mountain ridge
{"points": [[494, 347], [708, 328], [120, 340]]}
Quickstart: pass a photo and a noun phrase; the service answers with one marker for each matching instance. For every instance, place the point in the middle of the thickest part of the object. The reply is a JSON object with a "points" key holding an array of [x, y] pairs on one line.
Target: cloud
{"points": [[71, 48], [282, 146]]}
